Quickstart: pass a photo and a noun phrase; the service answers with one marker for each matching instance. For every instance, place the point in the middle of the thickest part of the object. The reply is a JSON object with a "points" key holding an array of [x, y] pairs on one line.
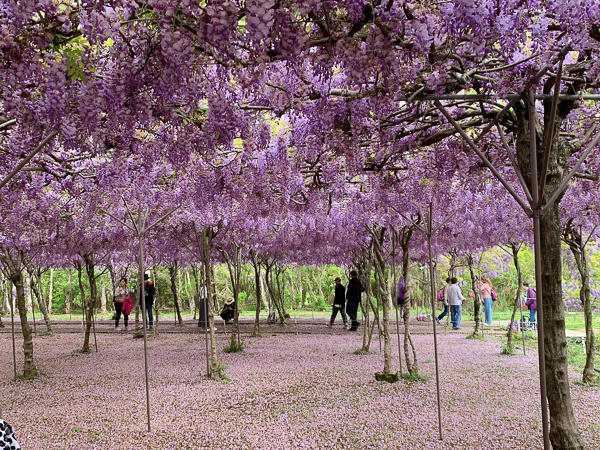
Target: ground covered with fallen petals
{"points": [[285, 391]]}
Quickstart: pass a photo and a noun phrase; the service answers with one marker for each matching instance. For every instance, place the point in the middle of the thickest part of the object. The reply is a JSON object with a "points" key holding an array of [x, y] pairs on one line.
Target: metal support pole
{"points": [[142, 295], [536, 208], [94, 327], [435, 345], [12, 322], [205, 303]]}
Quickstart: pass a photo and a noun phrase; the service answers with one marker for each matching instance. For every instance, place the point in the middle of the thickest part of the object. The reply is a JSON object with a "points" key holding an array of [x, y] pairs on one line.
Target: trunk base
{"points": [[389, 377]]}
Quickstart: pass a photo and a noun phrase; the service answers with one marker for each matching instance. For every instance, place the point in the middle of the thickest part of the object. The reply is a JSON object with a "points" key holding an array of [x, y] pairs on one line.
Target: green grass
{"points": [[506, 350], [360, 351], [234, 347], [415, 378]]}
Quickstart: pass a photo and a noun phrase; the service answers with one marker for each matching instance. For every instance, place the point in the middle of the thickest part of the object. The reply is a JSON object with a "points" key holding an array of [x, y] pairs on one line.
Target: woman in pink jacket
{"points": [[485, 288], [123, 304]]}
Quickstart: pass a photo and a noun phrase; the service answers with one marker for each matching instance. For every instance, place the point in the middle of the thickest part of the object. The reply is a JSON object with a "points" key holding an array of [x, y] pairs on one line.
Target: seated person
{"points": [[228, 312]]}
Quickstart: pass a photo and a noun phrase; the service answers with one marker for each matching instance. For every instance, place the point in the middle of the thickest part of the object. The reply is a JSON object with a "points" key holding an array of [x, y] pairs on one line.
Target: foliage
{"points": [[234, 347]]}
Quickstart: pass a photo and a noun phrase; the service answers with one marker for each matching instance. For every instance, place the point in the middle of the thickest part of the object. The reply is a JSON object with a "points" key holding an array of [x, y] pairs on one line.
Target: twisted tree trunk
{"points": [[412, 364], [256, 265], [378, 235], [515, 252], [173, 269], [214, 366], [15, 267], [90, 269], [38, 291], [572, 236], [477, 300]]}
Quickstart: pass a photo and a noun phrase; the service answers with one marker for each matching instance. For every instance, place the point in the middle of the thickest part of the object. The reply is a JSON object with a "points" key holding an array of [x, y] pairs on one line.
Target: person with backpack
{"points": [[485, 289], [531, 303], [442, 296], [339, 303]]}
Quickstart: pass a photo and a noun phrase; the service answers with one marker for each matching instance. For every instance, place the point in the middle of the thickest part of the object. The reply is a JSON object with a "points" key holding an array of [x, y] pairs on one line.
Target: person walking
{"points": [[355, 289], [531, 303], [149, 291], [339, 303], [485, 289], [202, 309], [445, 300], [455, 299], [121, 294]]}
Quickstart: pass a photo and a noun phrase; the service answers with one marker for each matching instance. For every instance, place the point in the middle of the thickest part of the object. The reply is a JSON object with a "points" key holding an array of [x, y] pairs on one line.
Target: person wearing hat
{"points": [[228, 312], [339, 303], [149, 291]]}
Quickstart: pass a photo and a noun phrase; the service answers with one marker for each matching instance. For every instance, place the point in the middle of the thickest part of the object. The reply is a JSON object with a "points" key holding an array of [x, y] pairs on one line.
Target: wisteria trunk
{"points": [[476, 300], [256, 265], [38, 291], [564, 433], [363, 267], [50, 291], [412, 364], [515, 252], [378, 237], [215, 366], [16, 277], [173, 269], [575, 241], [91, 273], [69, 293]]}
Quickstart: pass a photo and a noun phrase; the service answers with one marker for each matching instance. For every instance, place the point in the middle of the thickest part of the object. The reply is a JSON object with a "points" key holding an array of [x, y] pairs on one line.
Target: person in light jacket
{"points": [[353, 292], [485, 288], [455, 299]]}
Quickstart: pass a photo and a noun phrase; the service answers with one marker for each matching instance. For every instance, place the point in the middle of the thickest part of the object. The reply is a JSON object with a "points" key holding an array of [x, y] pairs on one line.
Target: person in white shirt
{"points": [[455, 299]]}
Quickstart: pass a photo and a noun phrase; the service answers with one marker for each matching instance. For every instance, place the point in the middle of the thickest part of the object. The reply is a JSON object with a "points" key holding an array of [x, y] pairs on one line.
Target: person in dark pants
{"points": [[149, 291], [445, 312], [339, 303], [355, 288], [121, 293], [202, 319]]}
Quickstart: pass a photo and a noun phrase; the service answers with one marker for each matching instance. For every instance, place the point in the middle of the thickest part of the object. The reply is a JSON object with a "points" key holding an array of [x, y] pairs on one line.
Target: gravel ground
{"points": [[285, 391]]}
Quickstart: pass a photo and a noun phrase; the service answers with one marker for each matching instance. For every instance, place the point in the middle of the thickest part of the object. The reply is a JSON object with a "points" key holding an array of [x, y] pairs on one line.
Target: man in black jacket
{"points": [[355, 288], [339, 303], [149, 291]]}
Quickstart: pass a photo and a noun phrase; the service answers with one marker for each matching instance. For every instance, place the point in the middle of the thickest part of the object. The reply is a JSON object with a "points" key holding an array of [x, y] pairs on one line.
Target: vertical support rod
{"points": [[94, 327], [32, 305], [12, 322], [536, 208], [395, 292], [204, 268], [144, 318], [432, 289], [521, 325]]}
